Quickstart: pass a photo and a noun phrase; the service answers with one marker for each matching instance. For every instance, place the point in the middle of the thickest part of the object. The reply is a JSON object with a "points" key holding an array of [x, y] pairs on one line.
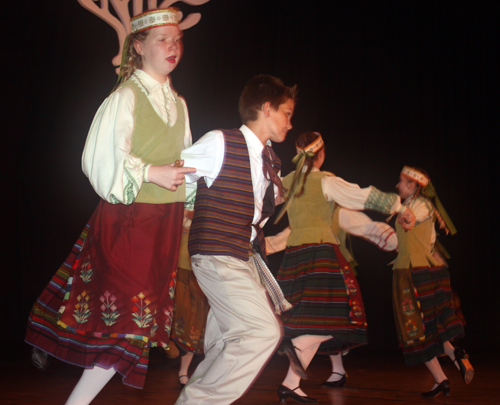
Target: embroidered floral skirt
{"points": [[431, 287], [326, 299], [112, 299]]}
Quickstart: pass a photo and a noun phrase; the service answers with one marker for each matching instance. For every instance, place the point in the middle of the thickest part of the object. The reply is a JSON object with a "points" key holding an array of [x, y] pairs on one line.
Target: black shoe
{"points": [[284, 393], [40, 359], [181, 384], [336, 384], [443, 387], [288, 349], [462, 359]]}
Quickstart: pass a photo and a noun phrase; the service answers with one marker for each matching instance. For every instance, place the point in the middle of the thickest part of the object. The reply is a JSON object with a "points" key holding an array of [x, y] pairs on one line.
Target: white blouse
{"points": [[106, 159]]}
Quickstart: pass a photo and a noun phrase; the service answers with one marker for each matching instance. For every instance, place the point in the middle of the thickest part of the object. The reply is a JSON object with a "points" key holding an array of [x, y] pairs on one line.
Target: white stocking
{"points": [[306, 347], [337, 367], [90, 384], [436, 370], [183, 370], [450, 351]]}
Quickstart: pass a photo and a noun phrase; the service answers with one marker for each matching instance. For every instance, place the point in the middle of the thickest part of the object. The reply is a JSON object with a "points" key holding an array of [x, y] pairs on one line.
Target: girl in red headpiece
{"points": [[112, 299], [423, 304]]}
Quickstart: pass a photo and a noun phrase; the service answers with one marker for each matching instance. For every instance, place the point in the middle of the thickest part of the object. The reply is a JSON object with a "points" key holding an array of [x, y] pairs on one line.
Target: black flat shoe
{"points": [[287, 349], [335, 384], [284, 393], [181, 384], [462, 359], [40, 359], [443, 387]]}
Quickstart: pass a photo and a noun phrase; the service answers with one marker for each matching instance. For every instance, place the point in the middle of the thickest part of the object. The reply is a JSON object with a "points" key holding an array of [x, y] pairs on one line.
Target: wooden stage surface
{"points": [[374, 379]]}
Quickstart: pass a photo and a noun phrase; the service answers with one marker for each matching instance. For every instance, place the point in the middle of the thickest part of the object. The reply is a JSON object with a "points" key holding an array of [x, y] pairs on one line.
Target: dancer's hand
{"points": [[169, 176], [407, 219]]}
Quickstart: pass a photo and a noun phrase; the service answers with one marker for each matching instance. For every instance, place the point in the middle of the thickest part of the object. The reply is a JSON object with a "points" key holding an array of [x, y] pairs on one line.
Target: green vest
{"points": [[310, 215], [156, 143], [415, 246]]}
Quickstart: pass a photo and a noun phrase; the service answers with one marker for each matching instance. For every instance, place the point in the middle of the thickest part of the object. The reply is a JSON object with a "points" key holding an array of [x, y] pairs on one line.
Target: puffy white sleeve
{"points": [[422, 209], [277, 243], [206, 155], [191, 187], [114, 173], [380, 234], [350, 195]]}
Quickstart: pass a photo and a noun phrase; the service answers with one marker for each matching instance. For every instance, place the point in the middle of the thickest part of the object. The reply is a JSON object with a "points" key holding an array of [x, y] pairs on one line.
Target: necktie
{"points": [[268, 159]]}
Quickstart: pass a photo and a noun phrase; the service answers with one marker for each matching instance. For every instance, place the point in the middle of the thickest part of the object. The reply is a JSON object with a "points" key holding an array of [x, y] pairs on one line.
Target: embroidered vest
{"points": [[156, 143], [223, 213]]}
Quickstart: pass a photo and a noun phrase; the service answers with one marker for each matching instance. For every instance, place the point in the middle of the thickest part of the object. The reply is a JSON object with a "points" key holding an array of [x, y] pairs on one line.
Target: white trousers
{"points": [[242, 331]]}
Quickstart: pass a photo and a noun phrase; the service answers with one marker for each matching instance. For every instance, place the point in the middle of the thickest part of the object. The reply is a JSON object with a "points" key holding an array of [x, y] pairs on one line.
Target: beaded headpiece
{"points": [[143, 22], [313, 147], [153, 19], [302, 155], [413, 174], [429, 191]]}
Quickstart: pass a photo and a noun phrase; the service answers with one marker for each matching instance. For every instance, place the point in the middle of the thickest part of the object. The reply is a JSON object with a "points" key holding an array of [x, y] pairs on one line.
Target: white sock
{"points": [[337, 368], [183, 370], [90, 384], [306, 347], [450, 351], [436, 370]]}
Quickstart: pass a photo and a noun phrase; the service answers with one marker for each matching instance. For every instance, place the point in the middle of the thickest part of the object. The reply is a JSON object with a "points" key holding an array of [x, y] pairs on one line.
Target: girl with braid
{"points": [[423, 305], [315, 277], [112, 299]]}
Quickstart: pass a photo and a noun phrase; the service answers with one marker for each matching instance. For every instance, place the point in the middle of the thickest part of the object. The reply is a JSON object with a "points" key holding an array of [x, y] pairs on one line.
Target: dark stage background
{"points": [[387, 84]]}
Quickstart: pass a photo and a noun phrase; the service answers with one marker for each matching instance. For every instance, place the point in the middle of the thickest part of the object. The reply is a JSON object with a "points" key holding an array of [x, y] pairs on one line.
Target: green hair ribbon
{"points": [[299, 161]]}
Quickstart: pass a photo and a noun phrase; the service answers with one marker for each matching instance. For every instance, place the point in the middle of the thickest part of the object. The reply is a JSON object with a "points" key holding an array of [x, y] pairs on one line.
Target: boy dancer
{"points": [[237, 174]]}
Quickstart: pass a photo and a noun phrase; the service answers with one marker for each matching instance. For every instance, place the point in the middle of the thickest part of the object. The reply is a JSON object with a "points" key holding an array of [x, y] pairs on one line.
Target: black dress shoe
{"points": [[462, 359], [288, 349], [336, 384], [40, 359], [443, 387], [284, 393]]}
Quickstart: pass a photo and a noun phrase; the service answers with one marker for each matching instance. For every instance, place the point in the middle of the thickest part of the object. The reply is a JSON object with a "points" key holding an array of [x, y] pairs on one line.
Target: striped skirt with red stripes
{"points": [[326, 299], [432, 285]]}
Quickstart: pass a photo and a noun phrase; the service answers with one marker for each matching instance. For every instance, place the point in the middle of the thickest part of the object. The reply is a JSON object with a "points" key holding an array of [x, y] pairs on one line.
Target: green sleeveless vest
{"points": [[310, 215], [415, 246], [156, 143]]}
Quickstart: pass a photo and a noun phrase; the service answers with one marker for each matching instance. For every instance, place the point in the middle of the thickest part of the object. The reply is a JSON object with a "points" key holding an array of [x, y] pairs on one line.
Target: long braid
{"points": [[133, 60], [304, 140], [309, 163]]}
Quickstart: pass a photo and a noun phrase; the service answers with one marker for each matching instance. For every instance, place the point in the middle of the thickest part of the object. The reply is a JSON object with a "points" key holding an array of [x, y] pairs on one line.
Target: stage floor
{"points": [[374, 379]]}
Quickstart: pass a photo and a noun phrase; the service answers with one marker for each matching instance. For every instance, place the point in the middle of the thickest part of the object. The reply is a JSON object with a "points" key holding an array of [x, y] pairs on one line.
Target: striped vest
{"points": [[223, 213]]}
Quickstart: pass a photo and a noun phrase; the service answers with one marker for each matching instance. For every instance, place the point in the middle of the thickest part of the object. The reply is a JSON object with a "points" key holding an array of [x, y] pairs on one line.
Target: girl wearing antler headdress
{"points": [[315, 277], [112, 299], [422, 298]]}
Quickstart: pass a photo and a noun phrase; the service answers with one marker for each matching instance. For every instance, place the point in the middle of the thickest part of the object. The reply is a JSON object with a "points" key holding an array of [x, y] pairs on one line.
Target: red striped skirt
{"points": [[440, 324], [326, 299]]}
